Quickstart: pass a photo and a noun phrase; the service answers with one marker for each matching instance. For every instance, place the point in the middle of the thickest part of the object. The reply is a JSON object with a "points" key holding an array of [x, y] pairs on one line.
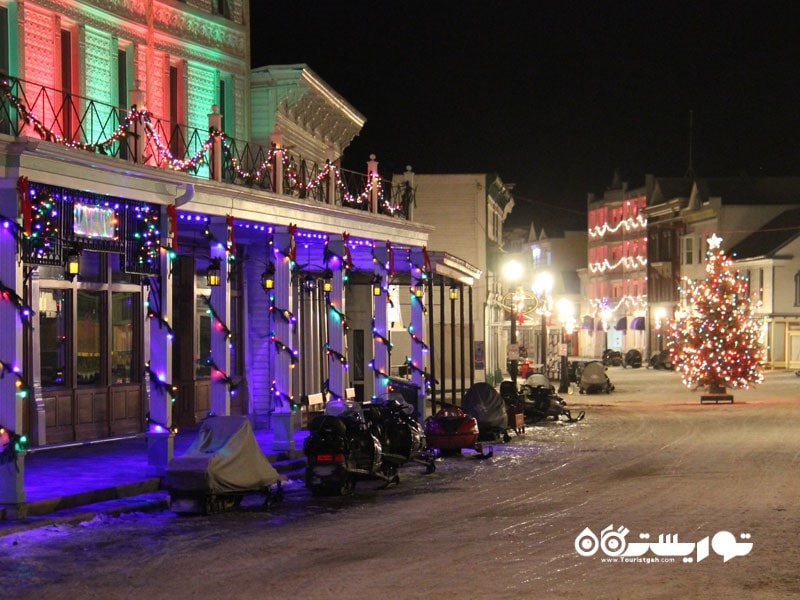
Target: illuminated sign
{"points": [[94, 221]]}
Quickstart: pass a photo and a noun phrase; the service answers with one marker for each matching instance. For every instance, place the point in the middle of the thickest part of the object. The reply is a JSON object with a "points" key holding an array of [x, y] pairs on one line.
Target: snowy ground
{"points": [[648, 458]]}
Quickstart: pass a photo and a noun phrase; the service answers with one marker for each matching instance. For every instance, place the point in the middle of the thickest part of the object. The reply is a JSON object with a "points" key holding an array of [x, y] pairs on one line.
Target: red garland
{"points": [[348, 258], [172, 217], [292, 250], [25, 205], [427, 260], [391, 258]]}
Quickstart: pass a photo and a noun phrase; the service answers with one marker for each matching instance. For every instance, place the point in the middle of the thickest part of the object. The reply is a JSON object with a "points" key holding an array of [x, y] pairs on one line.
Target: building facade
{"points": [[160, 259]]}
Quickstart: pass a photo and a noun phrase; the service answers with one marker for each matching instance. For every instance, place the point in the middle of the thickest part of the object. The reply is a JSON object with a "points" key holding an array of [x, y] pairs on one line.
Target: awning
{"points": [[588, 322], [622, 324], [637, 323]]}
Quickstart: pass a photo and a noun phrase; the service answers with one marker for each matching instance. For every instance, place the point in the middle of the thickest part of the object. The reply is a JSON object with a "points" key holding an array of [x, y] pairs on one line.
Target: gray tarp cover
{"points": [[224, 458], [484, 403]]}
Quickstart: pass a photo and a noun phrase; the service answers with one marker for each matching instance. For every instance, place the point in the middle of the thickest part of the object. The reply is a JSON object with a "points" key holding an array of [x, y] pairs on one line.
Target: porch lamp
{"points": [[513, 272], [376, 286], [327, 281], [453, 292], [213, 273], [72, 266], [268, 277]]}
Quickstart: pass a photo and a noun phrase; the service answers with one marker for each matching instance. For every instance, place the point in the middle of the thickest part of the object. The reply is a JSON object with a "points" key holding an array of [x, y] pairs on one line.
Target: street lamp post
{"points": [[606, 314], [542, 287], [565, 316], [512, 273]]}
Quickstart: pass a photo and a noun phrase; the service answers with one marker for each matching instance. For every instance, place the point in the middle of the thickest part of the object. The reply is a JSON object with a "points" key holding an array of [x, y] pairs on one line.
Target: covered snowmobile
{"points": [[593, 379], [223, 464], [487, 406]]}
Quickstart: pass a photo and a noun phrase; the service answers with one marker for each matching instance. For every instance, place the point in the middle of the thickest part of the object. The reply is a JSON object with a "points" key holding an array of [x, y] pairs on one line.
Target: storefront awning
{"points": [[622, 324], [588, 322], [637, 323]]}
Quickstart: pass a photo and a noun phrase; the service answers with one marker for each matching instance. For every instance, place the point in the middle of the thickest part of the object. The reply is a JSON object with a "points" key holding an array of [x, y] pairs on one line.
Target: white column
{"points": [[372, 180], [215, 123], [221, 303], [160, 439], [277, 172], [136, 97], [417, 327], [380, 333], [12, 474], [282, 347]]}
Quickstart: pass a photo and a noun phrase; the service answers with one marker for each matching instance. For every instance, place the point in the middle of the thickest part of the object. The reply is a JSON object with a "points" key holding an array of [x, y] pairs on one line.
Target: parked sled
{"points": [[593, 379], [633, 358], [451, 429], [484, 403], [223, 464], [540, 401]]}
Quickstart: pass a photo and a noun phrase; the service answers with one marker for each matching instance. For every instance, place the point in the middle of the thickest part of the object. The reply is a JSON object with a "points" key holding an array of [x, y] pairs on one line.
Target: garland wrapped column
{"points": [[380, 330], [219, 307], [12, 387], [160, 433], [337, 262], [420, 272], [283, 355]]}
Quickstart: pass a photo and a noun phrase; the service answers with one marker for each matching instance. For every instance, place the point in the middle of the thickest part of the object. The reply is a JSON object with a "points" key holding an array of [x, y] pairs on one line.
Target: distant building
{"points": [[467, 212]]}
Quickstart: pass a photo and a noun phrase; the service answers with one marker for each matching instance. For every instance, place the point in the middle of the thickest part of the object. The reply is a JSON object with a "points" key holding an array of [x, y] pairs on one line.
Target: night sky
{"points": [[553, 96]]}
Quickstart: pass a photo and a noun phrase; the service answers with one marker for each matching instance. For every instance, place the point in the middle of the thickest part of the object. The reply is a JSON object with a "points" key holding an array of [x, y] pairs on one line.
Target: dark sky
{"points": [[553, 96]]}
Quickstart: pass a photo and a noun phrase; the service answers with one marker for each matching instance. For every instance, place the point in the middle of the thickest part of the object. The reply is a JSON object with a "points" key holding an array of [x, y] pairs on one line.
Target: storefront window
{"points": [[53, 337], [203, 337], [122, 310], [88, 330]]}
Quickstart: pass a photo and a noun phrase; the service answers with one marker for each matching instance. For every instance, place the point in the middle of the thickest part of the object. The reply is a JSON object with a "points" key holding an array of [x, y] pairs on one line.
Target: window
{"points": [[222, 7], [53, 327], [122, 338], [797, 289], [203, 337], [688, 251], [88, 334]]}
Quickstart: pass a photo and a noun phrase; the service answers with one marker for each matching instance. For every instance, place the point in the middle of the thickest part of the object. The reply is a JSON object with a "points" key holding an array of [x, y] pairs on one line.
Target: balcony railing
{"points": [[135, 135]]}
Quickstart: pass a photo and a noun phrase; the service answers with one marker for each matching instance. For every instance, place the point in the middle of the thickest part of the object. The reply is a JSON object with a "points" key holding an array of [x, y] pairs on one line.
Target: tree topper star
{"points": [[714, 241]]}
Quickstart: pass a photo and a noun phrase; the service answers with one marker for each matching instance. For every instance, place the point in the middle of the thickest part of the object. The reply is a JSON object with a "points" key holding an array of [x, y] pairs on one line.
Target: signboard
{"points": [[512, 352], [479, 353]]}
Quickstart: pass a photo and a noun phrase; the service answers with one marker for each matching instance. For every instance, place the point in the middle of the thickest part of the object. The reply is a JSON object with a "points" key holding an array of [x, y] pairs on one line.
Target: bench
{"points": [[716, 398]]}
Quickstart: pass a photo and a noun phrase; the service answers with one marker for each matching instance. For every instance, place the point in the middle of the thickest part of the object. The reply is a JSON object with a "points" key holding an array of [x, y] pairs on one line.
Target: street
{"points": [[709, 496]]}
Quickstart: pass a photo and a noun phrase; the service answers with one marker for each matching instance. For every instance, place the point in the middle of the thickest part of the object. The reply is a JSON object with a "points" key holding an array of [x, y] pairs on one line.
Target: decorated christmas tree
{"points": [[714, 341]]}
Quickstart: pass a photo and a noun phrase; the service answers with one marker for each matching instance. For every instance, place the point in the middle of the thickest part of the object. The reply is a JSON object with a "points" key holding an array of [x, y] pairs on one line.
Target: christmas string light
{"points": [[282, 397], [156, 427], [24, 311], [381, 338], [23, 389], [281, 347], [337, 355], [171, 391], [285, 314], [223, 377], [11, 443], [218, 322]]}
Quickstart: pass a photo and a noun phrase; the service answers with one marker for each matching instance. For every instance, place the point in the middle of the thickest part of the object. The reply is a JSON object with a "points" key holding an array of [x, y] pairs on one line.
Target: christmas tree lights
{"points": [[715, 341]]}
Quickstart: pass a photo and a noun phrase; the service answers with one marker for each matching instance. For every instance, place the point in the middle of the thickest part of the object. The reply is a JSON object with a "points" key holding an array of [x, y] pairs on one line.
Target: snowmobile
{"points": [[540, 401], [222, 466], [451, 429], [633, 358], [593, 379], [351, 441], [484, 403]]}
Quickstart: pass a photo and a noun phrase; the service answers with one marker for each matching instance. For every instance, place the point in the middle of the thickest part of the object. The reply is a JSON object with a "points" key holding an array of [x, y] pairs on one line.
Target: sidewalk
{"points": [[66, 482]]}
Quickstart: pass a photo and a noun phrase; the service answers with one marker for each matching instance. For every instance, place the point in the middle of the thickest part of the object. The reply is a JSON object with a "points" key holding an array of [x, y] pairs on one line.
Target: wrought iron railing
{"points": [[135, 135]]}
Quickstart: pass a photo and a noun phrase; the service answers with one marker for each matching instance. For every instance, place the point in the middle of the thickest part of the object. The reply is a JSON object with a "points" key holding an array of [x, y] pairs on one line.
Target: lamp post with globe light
{"points": [[542, 286], [566, 316], [512, 274]]}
